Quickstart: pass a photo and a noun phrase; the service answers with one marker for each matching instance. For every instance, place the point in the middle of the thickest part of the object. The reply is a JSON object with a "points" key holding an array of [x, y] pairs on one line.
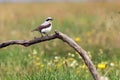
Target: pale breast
{"points": [[46, 30]]}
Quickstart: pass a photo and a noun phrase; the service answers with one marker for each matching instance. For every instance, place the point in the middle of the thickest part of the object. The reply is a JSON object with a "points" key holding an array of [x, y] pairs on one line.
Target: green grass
{"points": [[94, 26]]}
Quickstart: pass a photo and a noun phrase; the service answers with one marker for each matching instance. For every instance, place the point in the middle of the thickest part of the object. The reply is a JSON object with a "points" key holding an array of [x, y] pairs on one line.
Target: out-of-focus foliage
{"points": [[94, 26]]}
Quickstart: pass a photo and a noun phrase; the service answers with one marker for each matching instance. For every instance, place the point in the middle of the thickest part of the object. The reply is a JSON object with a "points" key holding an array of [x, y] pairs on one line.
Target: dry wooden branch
{"points": [[66, 39]]}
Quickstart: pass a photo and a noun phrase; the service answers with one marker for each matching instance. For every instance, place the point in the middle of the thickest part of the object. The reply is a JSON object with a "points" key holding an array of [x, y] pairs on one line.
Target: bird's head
{"points": [[49, 19]]}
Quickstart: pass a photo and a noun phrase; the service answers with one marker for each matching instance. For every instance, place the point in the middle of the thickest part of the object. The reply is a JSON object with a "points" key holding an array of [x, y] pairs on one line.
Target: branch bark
{"points": [[63, 37]]}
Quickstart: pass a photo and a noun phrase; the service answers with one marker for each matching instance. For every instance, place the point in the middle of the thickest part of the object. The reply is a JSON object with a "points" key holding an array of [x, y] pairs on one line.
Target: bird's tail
{"points": [[34, 30]]}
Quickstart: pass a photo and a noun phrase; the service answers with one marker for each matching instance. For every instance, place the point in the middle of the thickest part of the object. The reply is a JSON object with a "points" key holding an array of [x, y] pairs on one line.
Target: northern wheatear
{"points": [[45, 27]]}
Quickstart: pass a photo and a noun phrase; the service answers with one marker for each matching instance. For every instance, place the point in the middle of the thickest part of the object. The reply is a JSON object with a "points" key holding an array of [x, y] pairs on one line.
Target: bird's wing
{"points": [[43, 25]]}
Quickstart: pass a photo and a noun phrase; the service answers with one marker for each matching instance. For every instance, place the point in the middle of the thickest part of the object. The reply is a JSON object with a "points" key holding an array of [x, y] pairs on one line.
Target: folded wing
{"points": [[42, 26]]}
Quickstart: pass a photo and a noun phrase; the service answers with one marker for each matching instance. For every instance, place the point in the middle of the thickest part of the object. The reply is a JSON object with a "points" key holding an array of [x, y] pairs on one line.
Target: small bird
{"points": [[45, 27]]}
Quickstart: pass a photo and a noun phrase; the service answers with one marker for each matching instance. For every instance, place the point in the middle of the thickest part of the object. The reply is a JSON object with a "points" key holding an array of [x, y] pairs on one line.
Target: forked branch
{"points": [[63, 37]]}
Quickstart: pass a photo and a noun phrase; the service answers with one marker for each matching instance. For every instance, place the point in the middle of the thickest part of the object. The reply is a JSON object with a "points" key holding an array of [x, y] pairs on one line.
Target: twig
{"points": [[64, 38]]}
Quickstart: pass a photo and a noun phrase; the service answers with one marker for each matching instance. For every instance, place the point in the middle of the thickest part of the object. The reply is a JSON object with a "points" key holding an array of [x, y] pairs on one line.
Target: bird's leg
{"points": [[41, 34], [46, 34]]}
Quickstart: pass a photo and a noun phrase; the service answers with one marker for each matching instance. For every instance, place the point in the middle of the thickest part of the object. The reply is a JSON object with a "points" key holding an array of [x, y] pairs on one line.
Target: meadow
{"points": [[94, 26]]}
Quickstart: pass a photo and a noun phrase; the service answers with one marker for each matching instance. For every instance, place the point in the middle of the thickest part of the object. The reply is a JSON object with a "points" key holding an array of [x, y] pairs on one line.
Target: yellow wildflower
{"points": [[70, 54], [89, 54], [59, 65], [34, 52], [84, 66], [37, 58], [71, 62], [77, 39], [88, 33], [101, 65], [42, 65], [37, 63]]}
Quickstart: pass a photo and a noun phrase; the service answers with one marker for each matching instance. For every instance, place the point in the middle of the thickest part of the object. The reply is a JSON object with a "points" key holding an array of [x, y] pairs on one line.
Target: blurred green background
{"points": [[94, 26]]}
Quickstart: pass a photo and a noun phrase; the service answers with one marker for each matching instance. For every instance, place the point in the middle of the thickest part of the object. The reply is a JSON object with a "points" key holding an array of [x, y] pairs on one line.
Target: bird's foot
{"points": [[46, 34], [42, 35]]}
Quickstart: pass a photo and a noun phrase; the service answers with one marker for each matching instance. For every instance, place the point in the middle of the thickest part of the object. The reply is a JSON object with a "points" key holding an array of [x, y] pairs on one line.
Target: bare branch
{"points": [[27, 43], [64, 38]]}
